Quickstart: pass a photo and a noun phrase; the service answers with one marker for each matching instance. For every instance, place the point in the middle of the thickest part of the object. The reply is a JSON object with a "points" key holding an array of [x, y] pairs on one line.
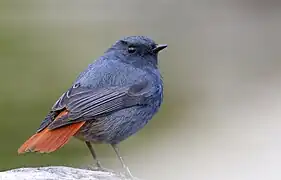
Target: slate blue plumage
{"points": [[117, 94]]}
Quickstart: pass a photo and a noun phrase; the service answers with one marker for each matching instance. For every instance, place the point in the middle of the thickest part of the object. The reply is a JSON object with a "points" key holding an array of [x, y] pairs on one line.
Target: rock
{"points": [[58, 173]]}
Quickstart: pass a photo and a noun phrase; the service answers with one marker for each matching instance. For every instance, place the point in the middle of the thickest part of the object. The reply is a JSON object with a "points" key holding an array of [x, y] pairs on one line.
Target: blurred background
{"points": [[222, 72]]}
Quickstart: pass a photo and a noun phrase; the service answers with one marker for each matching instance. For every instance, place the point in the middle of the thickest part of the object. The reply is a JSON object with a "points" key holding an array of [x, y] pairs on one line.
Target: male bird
{"points": [[111, 100]]}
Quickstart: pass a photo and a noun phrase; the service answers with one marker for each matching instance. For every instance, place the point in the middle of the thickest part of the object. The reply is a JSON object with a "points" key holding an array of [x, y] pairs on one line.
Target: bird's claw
{"points": [[127, 174], [98, 168]]}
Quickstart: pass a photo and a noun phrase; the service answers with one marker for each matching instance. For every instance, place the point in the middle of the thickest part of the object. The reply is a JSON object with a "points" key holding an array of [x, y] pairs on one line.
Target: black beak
{"points": [[159, 47]]}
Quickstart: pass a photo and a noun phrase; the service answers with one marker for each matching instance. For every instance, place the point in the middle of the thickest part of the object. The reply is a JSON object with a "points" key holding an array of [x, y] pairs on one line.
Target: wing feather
{"points": [[86, 104]]}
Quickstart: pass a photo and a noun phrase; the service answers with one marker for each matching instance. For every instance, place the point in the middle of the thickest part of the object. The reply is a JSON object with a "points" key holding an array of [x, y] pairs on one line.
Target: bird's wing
{"points": [[85, 104]]}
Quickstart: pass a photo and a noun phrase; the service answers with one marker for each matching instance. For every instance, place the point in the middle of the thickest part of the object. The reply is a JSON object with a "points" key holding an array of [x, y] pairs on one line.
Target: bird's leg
{"points": [[89, 145], [116, 149]]}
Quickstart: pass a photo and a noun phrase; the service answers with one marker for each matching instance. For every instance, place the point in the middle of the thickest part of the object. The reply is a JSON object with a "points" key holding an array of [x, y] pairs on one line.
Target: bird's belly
{"points": [[117, 126]]}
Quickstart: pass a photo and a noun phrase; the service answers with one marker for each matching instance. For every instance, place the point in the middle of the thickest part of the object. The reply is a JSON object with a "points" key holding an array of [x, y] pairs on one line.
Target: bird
{"points": [[111, 100]]}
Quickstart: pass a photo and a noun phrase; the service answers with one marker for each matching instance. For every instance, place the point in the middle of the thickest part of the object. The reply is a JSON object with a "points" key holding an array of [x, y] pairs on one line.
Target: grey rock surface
{"points": [[57, 173]]}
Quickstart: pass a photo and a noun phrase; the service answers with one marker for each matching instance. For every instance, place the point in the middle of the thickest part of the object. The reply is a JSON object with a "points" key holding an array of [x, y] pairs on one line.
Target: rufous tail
{"points": [[50, 140]]}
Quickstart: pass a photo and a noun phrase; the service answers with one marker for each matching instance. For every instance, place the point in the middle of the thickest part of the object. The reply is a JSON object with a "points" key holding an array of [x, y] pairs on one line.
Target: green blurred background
{"points": [[222, 73]]}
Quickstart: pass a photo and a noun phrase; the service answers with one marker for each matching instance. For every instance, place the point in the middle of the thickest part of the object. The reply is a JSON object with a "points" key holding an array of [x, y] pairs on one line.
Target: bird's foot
{"points": [[98, 168], [127, 174]]}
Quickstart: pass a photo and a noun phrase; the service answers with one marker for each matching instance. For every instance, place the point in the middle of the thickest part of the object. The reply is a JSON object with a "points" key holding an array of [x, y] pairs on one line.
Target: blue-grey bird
{"points": [[111, 100]]}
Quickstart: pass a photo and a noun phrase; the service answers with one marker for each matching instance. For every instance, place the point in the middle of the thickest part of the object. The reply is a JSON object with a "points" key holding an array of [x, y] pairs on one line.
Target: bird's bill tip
{"points": [[159, 47]]}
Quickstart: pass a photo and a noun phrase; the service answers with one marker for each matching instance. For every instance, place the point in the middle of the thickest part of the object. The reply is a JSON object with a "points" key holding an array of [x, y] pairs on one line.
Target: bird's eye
{"points": [[131, 49]]}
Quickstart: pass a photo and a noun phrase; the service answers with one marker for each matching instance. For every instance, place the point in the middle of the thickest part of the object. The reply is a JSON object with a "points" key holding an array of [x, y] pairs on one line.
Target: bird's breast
{"points": [[117, 126]]}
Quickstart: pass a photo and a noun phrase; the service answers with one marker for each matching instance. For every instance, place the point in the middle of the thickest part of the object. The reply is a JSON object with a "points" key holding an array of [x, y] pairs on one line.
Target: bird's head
{"points": [[137, 50]]}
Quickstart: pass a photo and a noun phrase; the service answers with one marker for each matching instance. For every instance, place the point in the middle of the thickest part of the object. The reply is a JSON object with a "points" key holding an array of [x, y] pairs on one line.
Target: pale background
{"points": [[222, 71]]}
